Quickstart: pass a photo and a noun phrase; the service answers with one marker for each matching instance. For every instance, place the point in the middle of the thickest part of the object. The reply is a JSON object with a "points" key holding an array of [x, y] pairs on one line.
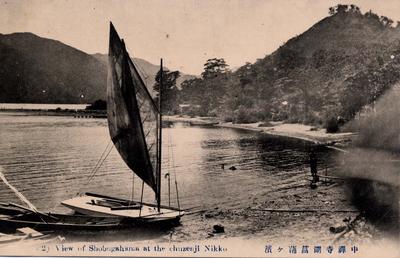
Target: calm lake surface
{"points": [[35, 106], [49, 159]]}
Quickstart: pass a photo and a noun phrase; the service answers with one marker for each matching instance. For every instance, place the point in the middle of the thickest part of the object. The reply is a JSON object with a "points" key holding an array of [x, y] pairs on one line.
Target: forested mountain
{"points": [[40, 70], [333, 69]]}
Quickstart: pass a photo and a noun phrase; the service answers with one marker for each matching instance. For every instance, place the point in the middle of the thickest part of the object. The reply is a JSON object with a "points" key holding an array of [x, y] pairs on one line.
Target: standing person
{"points": [[313, 166]]}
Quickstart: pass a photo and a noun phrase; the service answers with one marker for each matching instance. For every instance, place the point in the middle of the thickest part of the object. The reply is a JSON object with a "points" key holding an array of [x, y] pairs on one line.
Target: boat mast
{"points": [[159, 137]]}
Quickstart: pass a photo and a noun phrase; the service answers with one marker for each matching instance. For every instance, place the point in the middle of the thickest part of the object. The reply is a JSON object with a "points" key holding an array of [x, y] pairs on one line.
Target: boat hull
{"points": [[98, 205], [58, 222], [74, 223], [10, 209]]}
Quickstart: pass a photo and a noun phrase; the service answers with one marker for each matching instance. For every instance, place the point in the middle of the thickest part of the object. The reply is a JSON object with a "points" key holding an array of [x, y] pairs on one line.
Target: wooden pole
{"points": [[141, 200], [133, 187], [159, 137], [302, 210], [169, 190]]}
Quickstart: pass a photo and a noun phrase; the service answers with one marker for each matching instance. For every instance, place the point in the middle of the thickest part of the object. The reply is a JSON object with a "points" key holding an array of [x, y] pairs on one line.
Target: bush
{"points": [[244, 116], [332, 125], [312, 118], [293, 120], [98, 105], [213, 113], [227, 118], [308, 120], [265, 124]]}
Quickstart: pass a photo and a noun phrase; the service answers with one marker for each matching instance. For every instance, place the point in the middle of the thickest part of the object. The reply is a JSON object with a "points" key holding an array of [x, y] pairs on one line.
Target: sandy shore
{"points": [[298, 131]]}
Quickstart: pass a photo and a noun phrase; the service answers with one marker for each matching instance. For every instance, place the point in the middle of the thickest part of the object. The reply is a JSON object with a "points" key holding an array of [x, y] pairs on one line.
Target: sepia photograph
{"points": [[200, 128]]}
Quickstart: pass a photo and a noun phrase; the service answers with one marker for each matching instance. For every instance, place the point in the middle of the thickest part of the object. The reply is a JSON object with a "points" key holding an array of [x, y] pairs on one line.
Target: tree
{"points": [[332, 10], [192, 91], [214, 67], [208, 91], [372, 15], [367, 86], [169, 90], [355, 8], [340, 8], [385, 21], [215, 76], [289, 59]]}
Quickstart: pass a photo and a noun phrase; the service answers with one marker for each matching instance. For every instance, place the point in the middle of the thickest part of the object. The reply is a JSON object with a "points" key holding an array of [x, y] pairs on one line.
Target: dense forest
{"points": [[329, 73]]}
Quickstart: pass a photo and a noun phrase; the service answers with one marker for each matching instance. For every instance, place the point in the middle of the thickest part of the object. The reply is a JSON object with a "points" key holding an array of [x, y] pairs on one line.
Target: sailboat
{"points": [[135, 127]]}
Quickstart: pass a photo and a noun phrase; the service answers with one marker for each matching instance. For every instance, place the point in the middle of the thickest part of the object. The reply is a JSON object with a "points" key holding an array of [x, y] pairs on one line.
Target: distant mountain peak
{"points": [[333, 69]]}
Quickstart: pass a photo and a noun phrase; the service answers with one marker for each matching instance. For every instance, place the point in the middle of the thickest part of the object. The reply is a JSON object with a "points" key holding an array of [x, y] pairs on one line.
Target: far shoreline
{"points": [[317, 136], [78, 113], [297, 131]]}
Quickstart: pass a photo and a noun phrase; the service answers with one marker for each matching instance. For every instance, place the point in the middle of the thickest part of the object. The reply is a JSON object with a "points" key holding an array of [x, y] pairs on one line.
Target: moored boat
{"points": [[73, 223], [12, 209], [100, 205], [59, 222], [135, 127], [26, 233]]}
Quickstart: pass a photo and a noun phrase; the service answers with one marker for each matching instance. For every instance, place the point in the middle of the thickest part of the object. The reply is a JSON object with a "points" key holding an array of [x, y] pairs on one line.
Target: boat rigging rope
{"points": [[141, 71], [176, 182], [173, 169], [100, 159], [99, 163], [18, 193], [133, 187], [141, 200], [169, 167], [23, 198]]}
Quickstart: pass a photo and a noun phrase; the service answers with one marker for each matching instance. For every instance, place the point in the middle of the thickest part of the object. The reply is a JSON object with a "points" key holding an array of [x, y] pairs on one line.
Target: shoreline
{"points": [[78, 113], [296, 131]]}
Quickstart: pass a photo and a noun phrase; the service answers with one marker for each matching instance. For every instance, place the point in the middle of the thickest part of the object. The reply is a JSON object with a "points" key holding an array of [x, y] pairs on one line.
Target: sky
{"points": [[185, 33]]}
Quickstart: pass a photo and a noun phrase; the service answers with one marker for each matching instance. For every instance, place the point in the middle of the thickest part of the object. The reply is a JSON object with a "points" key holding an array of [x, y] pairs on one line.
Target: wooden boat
{"points": [[134, 122], [25, 233], [101, 205], [11, 209], [56, 222], [72, 222]]}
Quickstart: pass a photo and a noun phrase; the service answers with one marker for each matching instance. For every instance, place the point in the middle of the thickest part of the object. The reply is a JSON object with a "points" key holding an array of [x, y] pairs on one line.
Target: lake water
{"points": [[49, 159], [33, 106]]}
